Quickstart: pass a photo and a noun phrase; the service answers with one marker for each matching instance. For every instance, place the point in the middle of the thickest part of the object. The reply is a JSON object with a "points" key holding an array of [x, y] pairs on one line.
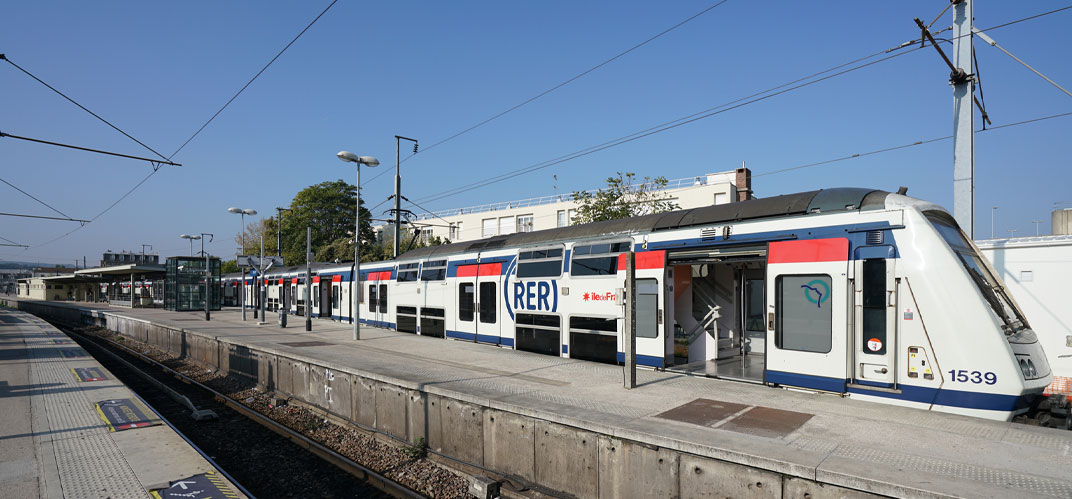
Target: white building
{"points": [[1037, 270], [527, 215]]}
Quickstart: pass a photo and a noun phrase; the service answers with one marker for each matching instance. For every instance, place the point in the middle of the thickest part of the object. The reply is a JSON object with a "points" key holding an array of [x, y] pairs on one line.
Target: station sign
{"points": [[257, 262]]}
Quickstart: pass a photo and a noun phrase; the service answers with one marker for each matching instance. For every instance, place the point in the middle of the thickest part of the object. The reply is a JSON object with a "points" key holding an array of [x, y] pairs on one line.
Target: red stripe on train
{"points": [[645, 260], [810, 250], [482, 269]]}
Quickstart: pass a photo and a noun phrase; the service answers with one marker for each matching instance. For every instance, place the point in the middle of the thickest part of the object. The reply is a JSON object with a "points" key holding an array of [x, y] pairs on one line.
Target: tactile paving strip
{"points": [[90, 464], [93, 466], [1029, 483]]}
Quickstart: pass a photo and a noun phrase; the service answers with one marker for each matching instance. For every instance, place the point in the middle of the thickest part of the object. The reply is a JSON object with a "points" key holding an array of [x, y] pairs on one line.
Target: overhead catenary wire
{"points": [[199, 130], [31, 196], [154, 162], [572, 79], [993, 43], [251, 80], [84, 108], [652, 131]]}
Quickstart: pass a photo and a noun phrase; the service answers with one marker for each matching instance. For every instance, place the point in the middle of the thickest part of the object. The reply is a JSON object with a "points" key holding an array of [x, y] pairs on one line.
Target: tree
{"points": [[251, 243], [327, 207], [623, 199], [228, 267]]}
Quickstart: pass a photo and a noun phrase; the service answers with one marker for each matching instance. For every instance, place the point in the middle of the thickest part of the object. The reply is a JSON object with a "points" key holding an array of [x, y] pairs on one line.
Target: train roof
{"points": [[819, 201]]}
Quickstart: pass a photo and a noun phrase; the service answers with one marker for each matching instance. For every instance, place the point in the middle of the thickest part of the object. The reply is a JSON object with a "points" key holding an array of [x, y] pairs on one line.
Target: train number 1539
{"points": [[962, 376]]}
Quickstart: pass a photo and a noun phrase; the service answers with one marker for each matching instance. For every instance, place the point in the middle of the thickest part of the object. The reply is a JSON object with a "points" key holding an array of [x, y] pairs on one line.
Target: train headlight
{"points": [[1027, 367]]}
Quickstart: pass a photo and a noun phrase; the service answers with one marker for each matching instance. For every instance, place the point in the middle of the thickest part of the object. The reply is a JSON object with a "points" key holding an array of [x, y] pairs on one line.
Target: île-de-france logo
{"points": [[816, 291]]}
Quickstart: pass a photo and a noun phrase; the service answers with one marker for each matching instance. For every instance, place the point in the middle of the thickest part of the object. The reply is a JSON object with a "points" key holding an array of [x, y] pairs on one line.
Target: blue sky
{"points": [[367, 71]]}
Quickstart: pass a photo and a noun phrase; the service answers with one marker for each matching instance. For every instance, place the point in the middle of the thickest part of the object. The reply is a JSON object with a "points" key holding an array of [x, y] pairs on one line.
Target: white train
{"points": [[862, 293]]}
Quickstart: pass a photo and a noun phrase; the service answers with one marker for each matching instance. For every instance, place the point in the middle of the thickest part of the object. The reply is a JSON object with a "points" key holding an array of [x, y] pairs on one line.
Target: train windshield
{"points": [[991, 288]]}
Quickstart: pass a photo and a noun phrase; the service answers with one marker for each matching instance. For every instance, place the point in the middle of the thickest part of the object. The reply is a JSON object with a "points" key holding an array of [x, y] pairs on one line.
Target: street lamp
{"points": [[242, 237], [992, 212], [208, 271], [191, 238], [349, 157]]}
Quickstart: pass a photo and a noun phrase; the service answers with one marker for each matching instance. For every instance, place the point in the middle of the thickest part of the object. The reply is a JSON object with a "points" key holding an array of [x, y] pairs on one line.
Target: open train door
{"points": [[807, 314], [875, 310]]}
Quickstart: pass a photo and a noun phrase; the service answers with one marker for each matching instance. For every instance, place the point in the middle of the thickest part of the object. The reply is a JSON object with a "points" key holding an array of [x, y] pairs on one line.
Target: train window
{"points": [[979, 271], [594, 339], [466, 301], [434, 270], [487, 302], [538, 333], [540, 263], [372, 302], [406, 319], [383, 299], [803, 319], [647, 310], [874, 305], [334, 297], [597, 259], [407, 272], [432, 323]]}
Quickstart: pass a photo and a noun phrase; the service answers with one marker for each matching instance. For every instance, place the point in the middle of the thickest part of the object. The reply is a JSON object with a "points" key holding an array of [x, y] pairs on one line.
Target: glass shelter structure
{"points": [[184, 284]]}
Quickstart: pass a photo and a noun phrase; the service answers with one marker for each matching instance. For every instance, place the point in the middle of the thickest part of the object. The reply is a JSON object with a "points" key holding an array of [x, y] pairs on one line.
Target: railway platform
{"points": [[71, 430], [570, 426]]}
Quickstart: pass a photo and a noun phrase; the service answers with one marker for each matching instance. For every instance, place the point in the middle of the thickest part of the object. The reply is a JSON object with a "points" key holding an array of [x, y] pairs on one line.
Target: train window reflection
{"points": [[804, 320]]}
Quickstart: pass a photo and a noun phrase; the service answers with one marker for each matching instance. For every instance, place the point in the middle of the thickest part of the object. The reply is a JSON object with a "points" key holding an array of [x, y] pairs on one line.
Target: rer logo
{"points": [[529, 296], [817, 292]]}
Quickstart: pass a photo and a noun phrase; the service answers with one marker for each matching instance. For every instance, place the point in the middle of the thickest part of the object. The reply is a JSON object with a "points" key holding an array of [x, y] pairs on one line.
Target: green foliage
{"points": [[622, 199], [418, 450], [228, 267]]}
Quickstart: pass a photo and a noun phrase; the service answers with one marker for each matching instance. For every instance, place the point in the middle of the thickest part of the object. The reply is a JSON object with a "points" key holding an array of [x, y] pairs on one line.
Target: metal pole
{"points": [[963, 119], [629, 345], [132, 287], [398, 200], [242, 295], [260, 289], [308, 280], [992, 212], [208, 277], [356, 278]]}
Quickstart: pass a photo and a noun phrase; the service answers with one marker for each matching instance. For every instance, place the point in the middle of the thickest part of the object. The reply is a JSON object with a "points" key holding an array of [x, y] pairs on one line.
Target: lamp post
{"points": [[1036, 222], [350, 157], [279, 230], [191, 238], [242, 237], [208, 272], [992, 212]]}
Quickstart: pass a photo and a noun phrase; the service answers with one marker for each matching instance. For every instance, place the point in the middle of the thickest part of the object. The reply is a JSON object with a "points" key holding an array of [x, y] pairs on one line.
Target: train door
{"points": [[336, 295], [875, 317], [807, 314], [752, 306], [478, 302], [375, 311]]}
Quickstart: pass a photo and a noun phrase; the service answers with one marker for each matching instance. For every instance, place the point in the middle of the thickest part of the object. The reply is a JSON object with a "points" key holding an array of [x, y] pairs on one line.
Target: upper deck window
{"points": [[597, 259], [540, 263], [407, 272], [434, 270]]}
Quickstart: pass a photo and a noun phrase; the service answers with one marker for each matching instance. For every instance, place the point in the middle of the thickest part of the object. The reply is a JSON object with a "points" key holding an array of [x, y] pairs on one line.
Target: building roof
{"points": [[820, 201], [134, 268]]}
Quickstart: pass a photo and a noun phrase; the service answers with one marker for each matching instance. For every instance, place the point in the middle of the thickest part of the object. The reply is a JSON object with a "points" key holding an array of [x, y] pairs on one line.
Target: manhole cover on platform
{"points": [[703, 412], [307, 344], [767, 422], [124, 414], [200, 486], [89, 374]]}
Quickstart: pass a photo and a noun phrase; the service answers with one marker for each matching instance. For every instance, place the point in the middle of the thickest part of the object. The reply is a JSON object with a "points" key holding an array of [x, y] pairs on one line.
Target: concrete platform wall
{"points": [[559, 458]]}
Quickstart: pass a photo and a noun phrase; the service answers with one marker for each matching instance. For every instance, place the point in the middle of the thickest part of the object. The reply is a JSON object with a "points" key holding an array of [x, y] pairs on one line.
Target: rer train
{"points": [[858, 292]]}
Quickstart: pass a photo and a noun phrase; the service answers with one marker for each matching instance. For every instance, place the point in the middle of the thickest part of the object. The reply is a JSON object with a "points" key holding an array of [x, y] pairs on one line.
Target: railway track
{"points": [[269, 458]]}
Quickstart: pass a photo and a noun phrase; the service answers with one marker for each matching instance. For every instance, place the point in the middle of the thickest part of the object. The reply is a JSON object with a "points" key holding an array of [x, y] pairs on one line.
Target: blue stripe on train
{"points": [[911, 393], [643, 360]]}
